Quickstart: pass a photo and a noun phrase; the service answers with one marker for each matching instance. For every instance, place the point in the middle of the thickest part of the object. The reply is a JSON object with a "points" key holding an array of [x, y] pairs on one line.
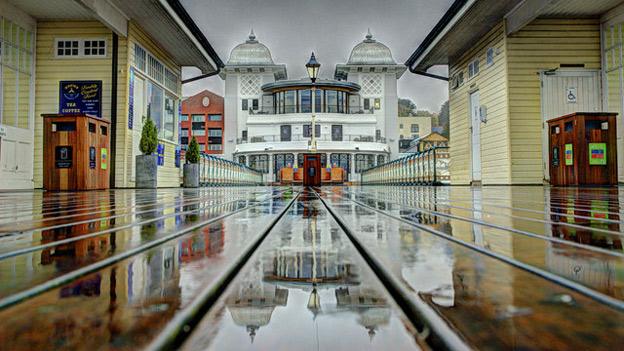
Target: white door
{"points": [[137, 125], [565, 92], [16, 158], [475, 136]]}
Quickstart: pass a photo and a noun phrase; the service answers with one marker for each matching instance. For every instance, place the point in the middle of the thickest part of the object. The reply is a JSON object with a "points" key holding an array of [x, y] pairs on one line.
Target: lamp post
{"points": [[313, 67]]}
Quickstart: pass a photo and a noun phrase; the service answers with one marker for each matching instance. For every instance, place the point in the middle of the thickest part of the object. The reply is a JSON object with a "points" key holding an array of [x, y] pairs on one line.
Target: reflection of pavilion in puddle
{"points": [[311, 259]]}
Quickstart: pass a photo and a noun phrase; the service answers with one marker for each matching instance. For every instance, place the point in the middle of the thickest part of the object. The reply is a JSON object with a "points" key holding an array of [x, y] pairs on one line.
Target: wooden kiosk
{"points": [[76, 152], [583, 149]]}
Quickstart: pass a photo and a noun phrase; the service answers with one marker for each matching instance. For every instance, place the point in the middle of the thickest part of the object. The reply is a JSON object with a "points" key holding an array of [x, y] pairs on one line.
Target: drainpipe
{"points": [[202, 76], [113, 111], [430, 75]]}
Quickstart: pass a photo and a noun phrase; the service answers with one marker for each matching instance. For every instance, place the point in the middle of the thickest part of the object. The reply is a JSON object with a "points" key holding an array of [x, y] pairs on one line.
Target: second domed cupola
{"points": [[370, 52], [250, 53]]}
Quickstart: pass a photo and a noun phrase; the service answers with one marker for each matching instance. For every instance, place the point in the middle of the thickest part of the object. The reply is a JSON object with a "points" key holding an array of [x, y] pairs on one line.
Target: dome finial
{"points": [[252, 37], [369, 36]]}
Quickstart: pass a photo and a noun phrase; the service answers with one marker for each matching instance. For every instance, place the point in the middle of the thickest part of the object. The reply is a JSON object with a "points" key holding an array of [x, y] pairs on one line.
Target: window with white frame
{"points": [[215, 132], [489, 57], [198, 118], [140, 58], [473, 68], [215, 147], [184, 118], [80, 48], [214, 118], [16, 71], [415, 128], [161, 91]]}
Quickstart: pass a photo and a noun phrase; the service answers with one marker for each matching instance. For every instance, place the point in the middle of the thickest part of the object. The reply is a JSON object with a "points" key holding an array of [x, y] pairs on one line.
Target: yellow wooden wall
{"points": [[168, 175], [50, 71], [541, 45], [492, 84]]}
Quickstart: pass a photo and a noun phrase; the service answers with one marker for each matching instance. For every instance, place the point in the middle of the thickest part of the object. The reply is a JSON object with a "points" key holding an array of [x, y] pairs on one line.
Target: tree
{"points": [[407, 108], [443, 119], [192, 154], [149, 137]]}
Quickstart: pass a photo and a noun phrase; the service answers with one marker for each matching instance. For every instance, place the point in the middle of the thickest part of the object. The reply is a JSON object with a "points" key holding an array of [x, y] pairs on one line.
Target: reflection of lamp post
{"points": [[313, 67]]}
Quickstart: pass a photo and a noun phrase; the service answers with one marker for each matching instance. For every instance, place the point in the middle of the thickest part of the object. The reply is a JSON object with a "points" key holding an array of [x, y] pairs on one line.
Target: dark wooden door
{"points": [[312, 170]]}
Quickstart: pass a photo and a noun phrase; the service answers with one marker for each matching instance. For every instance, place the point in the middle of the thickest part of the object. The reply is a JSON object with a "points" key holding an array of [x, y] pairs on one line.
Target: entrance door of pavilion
{"points": [[312, 169]]}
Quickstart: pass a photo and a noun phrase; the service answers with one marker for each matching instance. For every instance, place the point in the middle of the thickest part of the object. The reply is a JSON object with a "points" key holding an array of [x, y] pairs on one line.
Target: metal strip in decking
{"points": [[68, 277], [597, 296]]}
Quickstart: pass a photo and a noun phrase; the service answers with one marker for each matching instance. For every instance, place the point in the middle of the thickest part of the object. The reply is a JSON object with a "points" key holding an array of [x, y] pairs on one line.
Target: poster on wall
{"points": [[569, 155], [103, 158], [80, 97], [160, 151], [598, 154], [131, 99]]}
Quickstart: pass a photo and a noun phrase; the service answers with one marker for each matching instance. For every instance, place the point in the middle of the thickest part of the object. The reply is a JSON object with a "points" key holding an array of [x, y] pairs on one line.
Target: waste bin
{"points": [[583, 149], [75, 152]]}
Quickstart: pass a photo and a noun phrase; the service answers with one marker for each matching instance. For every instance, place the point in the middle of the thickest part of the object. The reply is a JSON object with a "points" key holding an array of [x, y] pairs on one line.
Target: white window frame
{"points": [[178, 100], [490, 53], [81, 48], [474, 68]]}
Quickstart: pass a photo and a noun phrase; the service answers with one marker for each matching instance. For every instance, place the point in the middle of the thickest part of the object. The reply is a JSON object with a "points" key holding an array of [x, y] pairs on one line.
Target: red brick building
{"points": [[202, 117]]}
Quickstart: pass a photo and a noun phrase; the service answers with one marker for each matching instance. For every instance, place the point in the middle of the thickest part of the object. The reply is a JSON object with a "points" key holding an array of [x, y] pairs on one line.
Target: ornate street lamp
{"points": [[313, 67]]}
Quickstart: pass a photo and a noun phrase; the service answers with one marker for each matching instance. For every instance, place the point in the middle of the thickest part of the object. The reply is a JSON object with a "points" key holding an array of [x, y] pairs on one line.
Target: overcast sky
{"points": [[331, 28]]}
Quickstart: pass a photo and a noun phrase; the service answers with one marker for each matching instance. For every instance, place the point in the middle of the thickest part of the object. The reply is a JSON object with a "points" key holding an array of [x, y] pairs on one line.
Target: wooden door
{"points": [[312, 170]]}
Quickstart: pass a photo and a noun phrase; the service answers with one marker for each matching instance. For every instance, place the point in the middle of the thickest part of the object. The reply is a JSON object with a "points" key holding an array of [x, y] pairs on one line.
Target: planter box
{"points": [[146, 171], [191, 175]]}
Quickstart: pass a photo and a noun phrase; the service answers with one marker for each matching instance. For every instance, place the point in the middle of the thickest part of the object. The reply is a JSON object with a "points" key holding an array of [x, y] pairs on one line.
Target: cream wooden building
{"points": [[134, 48], [515, 64]]}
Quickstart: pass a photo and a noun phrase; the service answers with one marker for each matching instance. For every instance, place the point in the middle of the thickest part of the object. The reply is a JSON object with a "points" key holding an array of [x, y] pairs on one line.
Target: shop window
{"points": [[169, 124], [16, 69], [140, 57], [259, 162]]}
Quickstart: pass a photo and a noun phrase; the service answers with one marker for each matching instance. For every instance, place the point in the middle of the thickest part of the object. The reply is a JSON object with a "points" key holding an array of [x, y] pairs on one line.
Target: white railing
{"points": [[427, 167], [216, 171]]}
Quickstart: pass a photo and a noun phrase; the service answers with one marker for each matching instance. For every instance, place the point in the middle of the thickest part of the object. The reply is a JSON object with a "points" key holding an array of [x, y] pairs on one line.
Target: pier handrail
{"points": [[217, 171], [429, 167]]}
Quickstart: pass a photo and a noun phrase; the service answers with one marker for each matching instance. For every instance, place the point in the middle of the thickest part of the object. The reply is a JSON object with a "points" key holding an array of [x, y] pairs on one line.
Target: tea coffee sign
{"points": [[81, 97]]}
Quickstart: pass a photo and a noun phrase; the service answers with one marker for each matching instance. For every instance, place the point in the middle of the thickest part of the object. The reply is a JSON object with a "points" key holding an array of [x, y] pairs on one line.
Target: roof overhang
{"points": [[467, 21], [462, 25], [165, 21]]}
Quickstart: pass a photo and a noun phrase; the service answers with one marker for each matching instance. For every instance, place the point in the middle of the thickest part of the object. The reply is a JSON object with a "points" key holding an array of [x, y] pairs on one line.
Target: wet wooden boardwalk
{"points": [[336, 268]]}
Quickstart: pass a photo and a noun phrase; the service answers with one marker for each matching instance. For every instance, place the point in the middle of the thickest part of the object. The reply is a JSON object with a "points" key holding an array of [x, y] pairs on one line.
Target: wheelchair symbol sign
{"points": [[571, 95]]}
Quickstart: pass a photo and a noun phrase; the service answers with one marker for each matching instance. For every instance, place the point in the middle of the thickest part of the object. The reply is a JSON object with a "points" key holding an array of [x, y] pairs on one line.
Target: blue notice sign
{"points": [[81, 97]]}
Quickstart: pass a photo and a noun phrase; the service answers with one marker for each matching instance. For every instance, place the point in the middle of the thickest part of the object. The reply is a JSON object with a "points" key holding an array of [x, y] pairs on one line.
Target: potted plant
{"points": [[191, 166], [147, 163]]}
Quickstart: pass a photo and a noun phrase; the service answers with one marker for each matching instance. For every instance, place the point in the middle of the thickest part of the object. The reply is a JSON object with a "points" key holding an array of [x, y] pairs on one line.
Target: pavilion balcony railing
{"points": [[325, 137], [216, 171], [429, 167], [288, 109]]}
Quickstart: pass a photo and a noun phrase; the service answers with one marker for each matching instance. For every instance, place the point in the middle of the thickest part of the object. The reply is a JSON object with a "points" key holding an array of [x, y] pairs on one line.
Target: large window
{"points": [[290, 101], [197, 118], [259, 162], [336, 132], [16, 68], [305, 103], [160, 92], [215, 132], [214, 118], [307, 128], [364, 162], [285, 133]]}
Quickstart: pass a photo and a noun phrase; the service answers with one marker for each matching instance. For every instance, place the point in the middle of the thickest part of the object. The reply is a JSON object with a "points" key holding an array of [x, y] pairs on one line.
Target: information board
{"points": [[598, 154], [81, 97]]}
